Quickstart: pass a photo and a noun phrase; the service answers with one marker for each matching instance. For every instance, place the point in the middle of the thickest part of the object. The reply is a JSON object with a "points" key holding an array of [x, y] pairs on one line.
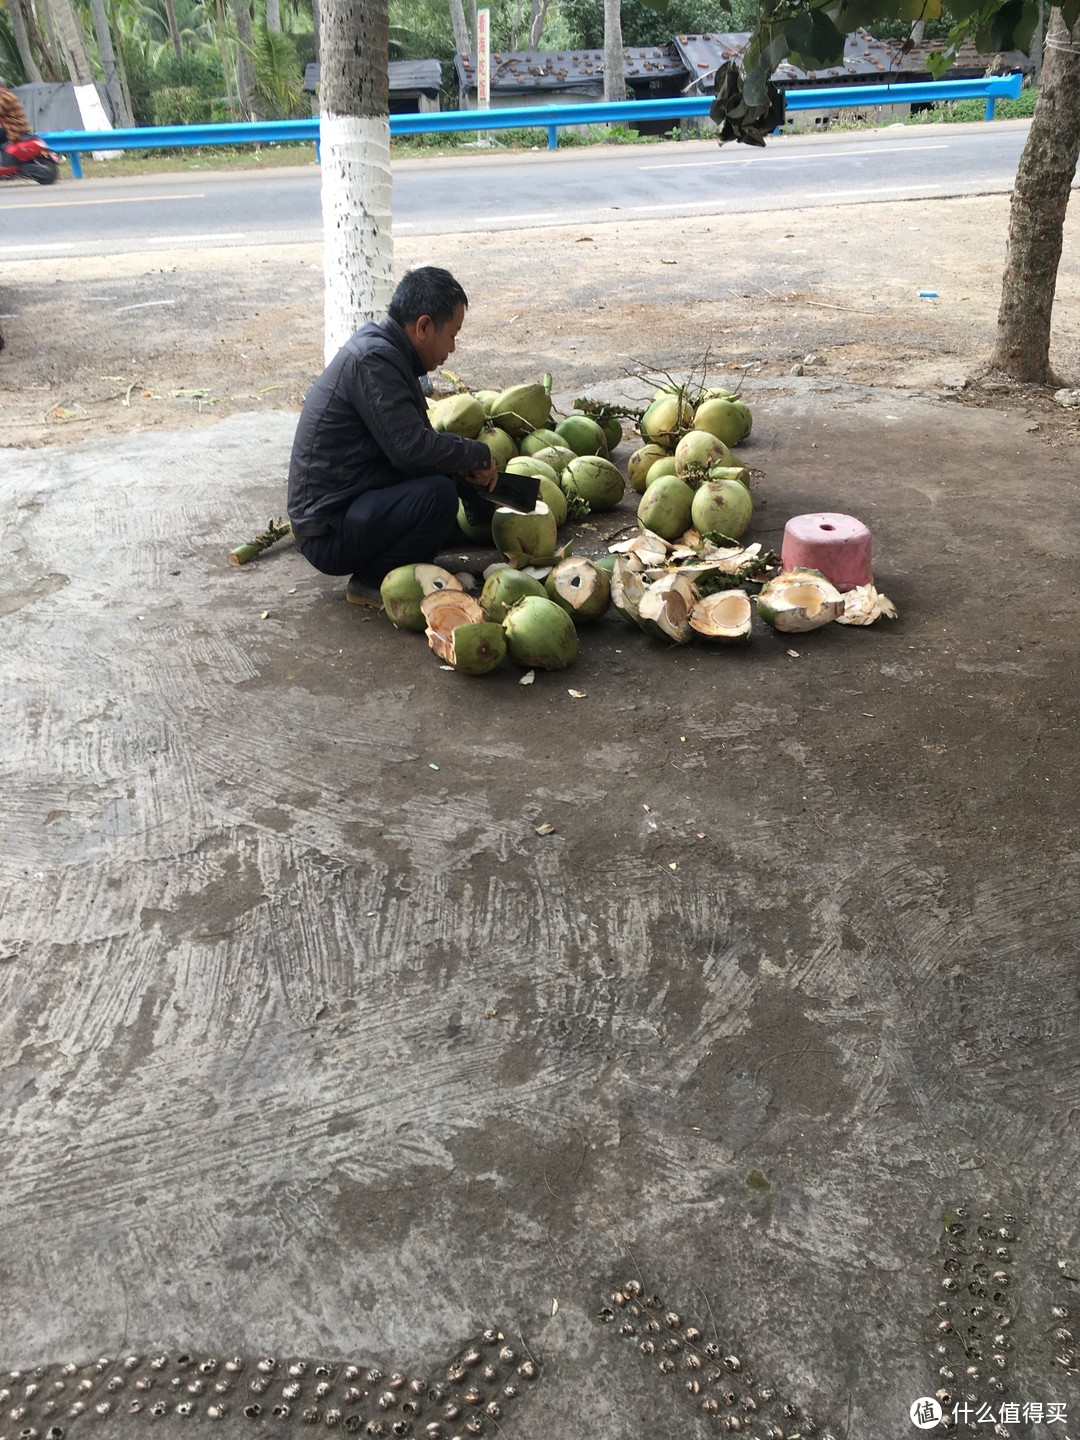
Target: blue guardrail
{"points": [[75, 143]]}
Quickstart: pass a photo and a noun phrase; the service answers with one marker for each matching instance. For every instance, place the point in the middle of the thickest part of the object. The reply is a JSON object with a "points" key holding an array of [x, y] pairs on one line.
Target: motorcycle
{"points": [[30, 158]]}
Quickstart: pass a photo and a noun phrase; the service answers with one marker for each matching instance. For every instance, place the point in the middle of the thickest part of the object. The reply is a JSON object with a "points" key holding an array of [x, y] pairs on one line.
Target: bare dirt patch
{"points": [[137, 342]]}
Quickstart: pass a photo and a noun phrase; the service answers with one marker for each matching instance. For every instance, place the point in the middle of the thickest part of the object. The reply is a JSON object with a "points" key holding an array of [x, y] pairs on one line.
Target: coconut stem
{"points": [[275, 530], [601, 411]]}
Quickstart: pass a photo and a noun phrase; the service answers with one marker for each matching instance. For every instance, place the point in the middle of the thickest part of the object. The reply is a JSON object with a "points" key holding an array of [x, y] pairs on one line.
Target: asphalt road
{"points": [[483, 191]]}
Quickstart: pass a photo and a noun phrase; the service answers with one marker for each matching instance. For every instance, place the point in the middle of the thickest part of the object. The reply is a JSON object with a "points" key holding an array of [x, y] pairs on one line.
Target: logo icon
{"points": [[925, 1413]]}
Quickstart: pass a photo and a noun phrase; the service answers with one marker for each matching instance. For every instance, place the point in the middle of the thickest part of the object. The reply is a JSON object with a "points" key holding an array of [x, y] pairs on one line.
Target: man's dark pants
{"points": [[403, 524]]}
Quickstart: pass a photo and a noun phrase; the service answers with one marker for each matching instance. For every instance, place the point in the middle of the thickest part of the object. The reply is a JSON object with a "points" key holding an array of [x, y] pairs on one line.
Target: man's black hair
{"points": [[426, 291]]}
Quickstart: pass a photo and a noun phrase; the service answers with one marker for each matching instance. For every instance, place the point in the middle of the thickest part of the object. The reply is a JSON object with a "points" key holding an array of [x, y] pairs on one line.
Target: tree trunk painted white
{"points": [[462, 38], [273, 15], [1037, 214], [77, 58], [22, 42], [614, 68], [354, 145], [121, 114]]}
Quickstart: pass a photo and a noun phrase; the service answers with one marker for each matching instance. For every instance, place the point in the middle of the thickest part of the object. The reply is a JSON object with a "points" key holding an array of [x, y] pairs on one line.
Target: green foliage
{"points": [[180, 105], [644, 25], [10, 64], [278, 77], [963, 111]]}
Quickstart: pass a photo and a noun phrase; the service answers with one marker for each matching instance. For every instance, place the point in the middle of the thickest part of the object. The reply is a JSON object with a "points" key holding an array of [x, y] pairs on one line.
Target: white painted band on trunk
{"points": [[93, 116], [358, 245]]}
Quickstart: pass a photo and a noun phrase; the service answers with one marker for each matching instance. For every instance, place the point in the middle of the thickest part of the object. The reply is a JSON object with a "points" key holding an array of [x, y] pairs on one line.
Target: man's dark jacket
{"points": [[365, 426]]}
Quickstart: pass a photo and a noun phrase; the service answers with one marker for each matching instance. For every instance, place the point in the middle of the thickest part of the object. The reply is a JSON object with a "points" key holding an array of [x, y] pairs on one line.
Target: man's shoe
{"points": [[357, 593]]}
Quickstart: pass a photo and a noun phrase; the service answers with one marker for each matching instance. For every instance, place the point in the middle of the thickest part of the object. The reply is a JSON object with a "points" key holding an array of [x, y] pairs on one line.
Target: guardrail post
{"points": [[553, 137], [991, 102], [76, 164]]}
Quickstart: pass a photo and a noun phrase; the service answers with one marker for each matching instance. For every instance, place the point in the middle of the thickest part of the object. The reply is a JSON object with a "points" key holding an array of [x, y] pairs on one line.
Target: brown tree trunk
{"points": [[1037, 218], [107, 55], [174, 28], [462, 39], [245, 64], [72, 42], [614, 68], [537, 17], [22, 42], [316, 27], [42, 33]]}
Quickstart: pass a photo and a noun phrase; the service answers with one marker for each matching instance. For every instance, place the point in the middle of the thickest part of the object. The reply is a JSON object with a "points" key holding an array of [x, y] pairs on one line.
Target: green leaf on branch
{"points": [[813, 40]]}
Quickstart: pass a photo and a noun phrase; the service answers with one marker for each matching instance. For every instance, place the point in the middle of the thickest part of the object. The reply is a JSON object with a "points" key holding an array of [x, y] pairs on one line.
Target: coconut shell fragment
{"points": [[723, 619], [799, 600], [665, 609]]}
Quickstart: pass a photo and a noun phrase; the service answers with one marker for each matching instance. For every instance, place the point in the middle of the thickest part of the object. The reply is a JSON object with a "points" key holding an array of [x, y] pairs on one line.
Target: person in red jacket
{"points": [[13, 124]]}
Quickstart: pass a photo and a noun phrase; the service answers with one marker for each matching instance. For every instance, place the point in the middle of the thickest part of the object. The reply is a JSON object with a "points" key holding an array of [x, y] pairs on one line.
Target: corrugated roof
{"points": [[516, 70], [405, 75], [864, 58]]}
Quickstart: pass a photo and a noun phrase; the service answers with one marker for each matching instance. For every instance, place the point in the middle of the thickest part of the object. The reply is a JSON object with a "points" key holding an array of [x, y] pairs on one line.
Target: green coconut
{"points": [[627, 588], [480, 531], [580, 587], [723, 618], [722, 507], [505, 588], [459, 634], [665, 420], [403, 590], [612, 428], [606, 563], [540, 439], [799, 600], [660, 469], [522, 409], [748, 419], [530, 465], [458, 415], [722, 418], [502, 446], [525, 539], [554, 499], [596, 480], [665, 608], [540, 635], [487, 398], [557, 456], [640, 463], [698, 451], [665, 507], [582, 434]]}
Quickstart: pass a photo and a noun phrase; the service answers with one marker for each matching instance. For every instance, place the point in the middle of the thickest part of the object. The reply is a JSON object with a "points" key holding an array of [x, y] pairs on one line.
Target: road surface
{"points": [[482, 191]]}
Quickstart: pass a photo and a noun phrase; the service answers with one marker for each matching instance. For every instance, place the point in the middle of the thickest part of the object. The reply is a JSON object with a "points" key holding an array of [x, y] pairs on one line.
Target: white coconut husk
{"points": [[723, 618], [799, 600], [666, 607], [864, 605]]}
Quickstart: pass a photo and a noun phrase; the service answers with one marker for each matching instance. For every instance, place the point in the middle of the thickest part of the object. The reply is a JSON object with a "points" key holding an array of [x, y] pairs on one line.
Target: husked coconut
{"points": [[799, 600], [665, 608], [627, 589], [724, 618], [459, 634], [403, 590], [580, 587]]}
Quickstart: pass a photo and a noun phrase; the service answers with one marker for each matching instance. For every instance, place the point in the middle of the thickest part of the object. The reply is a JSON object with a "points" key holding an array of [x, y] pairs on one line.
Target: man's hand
{"points": [[487, 478]]}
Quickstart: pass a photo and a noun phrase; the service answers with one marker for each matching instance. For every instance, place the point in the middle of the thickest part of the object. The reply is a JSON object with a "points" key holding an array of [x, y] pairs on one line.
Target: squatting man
{"points": [[371, 484]]}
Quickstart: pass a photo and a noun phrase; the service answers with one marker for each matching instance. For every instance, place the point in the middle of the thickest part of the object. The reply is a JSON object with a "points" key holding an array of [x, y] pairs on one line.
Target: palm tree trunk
{"points": [[316, 27], [42, 33], [614, 68], [22, 42], [245, 64], [273, 15], [462, 39], [226, 68], [1037, 217], [358, 247], [174, 29], [536, 22], [107, 55]]}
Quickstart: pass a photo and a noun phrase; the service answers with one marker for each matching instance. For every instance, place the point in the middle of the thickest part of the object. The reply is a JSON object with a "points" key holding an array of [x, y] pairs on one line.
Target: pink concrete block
{"points": [[837, 545]]}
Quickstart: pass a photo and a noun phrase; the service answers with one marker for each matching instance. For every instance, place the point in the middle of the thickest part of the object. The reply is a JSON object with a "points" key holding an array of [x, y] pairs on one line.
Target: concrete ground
{"points": [[311, 1046]]}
